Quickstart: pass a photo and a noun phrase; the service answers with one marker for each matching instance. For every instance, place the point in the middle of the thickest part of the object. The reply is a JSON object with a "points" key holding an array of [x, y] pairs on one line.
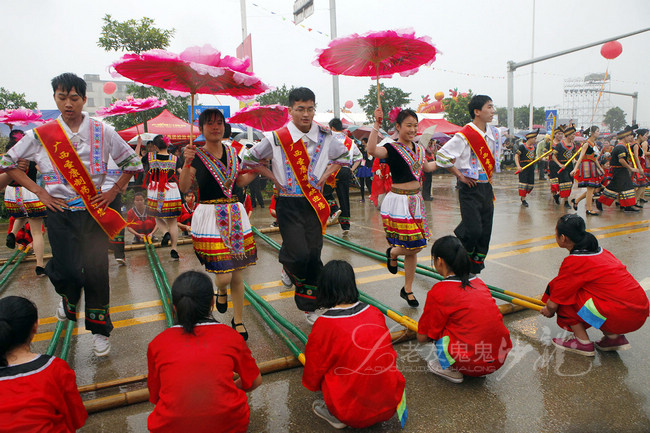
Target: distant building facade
{"points": [[95, 92]]}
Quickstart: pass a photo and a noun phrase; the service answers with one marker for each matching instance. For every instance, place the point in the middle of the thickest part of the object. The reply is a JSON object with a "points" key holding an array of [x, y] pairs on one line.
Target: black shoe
{"points": [[428, 199], [391, 268], [222, 307], [575, 205], [40, 271], [412, 302], [556, 198], [599, 205], [165, 240], [592, 213], [642, 200], [11, 241], [235, 325], [617, 204], [638, 206], [630, 209], [173, 254], [567, 205], [524, 203]]}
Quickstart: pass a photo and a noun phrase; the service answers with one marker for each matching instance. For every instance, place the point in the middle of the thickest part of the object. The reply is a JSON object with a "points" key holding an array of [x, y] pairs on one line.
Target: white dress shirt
{"points": [[465, 160]]}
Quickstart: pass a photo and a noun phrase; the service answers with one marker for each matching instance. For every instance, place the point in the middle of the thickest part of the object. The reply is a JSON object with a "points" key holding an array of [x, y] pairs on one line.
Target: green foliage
{"points": [[3, 143], [391, 97], [133, 36], [13, 100], [521, 115], [456, 110], [615, 119], [277, 96], [177, 105]]}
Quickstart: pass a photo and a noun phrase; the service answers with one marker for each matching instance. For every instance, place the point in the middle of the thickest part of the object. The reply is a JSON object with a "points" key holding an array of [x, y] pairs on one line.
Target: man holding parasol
{"points": [[73, 153]]}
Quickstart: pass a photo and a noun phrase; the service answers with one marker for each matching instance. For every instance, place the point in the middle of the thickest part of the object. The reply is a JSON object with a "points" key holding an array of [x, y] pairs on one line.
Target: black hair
{"points": [[139, 194], [573, 227], [336, 285], [451, 250], [227, 131], [192, 294], [587, 132], [476, 103], [210, 115], [160, 142], [301, 94], [640, 132], [13, 139], [404, 114], [17, 318], [336, 124], [69, 81]]}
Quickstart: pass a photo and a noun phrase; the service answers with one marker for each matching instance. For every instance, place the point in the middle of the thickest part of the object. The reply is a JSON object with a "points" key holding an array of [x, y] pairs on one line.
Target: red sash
{"points": [[331, 181], [480, 148], [299, 160], [66, 160]]}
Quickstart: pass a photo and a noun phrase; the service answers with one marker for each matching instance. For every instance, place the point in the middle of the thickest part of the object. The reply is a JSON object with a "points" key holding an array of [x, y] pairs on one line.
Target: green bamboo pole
{"points": [[9, 260], [54, 341], [169, 318], [65, 347], [292, 346], [161, 271], [13, 269], [277, 316]]}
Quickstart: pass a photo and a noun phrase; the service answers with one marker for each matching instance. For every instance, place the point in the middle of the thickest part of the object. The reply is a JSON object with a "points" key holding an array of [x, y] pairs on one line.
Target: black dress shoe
{"points": [[391, 268], [165, 240], [524, 203], [222, 307], [11, 241], [592, 213], [575, 205], [567, 205], [556, 198], [599, 205], [235, 325], [405, 295]]}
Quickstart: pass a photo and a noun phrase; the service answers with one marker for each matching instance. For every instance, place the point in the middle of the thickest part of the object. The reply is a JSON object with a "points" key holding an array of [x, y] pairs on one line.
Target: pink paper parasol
{"points": [[195, 70], [377, 54], [131, 105], [264, 117], [20, 117]]}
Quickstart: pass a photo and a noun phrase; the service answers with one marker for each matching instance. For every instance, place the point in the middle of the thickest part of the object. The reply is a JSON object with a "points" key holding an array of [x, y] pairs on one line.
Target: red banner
{"points": [[481, 150], [65, 158]]}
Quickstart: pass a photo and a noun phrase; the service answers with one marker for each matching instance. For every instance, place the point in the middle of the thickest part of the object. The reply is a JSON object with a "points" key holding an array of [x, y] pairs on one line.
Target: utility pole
{"points": [[335, 78], [244, 34], [532, 74]]}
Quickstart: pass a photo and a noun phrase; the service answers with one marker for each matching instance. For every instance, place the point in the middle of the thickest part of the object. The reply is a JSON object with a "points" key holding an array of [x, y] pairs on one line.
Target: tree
{"points": [[278, 96], [615, 119], [13, 100], [456, 110], [133, 36], [521, 116], [391, 97]]}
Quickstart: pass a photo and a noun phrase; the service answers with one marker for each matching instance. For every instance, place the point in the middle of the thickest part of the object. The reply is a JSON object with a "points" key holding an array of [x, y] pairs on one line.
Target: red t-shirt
{"points": [[40, 396], [141, 224], [604, 279], [191, 380], [350, 357], [186, 215], [478, 340]]}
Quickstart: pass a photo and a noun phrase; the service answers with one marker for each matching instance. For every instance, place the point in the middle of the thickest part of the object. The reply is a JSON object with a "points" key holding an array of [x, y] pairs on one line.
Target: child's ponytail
{"points": [[451, 250], [17, 318], [192, 295], [573, 227]]}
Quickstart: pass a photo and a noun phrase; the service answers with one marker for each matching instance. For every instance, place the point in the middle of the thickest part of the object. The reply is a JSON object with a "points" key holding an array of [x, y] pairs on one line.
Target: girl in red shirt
{"points": [[593, 288], [350, 356], [462, 318], [38, 393], [191, 367]]}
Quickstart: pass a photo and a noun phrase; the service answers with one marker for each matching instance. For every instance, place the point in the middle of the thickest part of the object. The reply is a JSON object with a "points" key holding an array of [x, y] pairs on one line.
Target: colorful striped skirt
{"points": [[22, 203], [588, 174], [404, 219], [222, 236], [164, 202]]}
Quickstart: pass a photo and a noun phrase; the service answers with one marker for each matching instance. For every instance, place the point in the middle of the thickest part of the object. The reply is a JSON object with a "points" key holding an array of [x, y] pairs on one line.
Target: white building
{"points": [[95, 92]]}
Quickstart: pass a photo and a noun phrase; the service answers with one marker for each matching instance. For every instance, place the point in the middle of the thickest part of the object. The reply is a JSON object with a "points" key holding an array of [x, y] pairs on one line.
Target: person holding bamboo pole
{"points": [[524, 156], [621, 185], [593, 288], [402, 211], [191, 367], [588, 171], [38, 392], [553, 166], [562, 154], [462, 319]]}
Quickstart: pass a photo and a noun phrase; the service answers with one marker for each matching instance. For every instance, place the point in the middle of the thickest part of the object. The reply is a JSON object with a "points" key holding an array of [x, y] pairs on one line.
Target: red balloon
{"points": [[349, 104], [611, 50], [110, 88]]}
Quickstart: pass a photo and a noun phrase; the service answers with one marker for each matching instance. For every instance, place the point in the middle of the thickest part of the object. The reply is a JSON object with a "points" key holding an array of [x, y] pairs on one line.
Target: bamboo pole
{"points": [[9, 260], [533, 162], [65, 347], [13, 269], [161, 271], [54, 341], [164, 298]]}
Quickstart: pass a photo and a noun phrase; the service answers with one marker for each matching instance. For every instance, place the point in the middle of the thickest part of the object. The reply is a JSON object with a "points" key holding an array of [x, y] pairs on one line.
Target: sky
{"points": [[475, 39]]}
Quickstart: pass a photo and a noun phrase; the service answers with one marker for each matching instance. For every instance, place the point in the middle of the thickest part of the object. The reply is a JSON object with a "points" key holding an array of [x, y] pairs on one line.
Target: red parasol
{"points": [[377, 54], [195, 70], [20, 117], [264, 117]]}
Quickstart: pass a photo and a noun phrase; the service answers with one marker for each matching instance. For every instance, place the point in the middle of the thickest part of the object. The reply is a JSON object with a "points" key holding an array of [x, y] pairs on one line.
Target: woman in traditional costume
{"points": [[588, 171]]}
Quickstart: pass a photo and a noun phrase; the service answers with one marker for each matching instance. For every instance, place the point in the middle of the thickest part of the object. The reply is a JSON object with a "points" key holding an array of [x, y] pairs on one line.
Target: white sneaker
{"points": [[286, 280], [334, 218], [449, 374], [121, 262], [101, 345], [320, 409], [60, 312]]}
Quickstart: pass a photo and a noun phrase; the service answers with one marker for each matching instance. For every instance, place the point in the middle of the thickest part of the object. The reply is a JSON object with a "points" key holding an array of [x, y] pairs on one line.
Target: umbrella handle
{"points": [[378, 93], [192, 120]]}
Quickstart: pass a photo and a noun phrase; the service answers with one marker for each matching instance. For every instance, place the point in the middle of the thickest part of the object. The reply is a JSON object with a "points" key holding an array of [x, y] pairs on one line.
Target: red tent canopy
{"points": [[166, 124], [441, 126]]}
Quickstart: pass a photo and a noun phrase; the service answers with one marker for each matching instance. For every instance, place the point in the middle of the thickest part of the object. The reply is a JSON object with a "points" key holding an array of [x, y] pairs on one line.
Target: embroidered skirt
{"points": [[639, 180], [22, 203], [404, 219], [526, 181], [588, 174], [165, 203], [222, 237]]}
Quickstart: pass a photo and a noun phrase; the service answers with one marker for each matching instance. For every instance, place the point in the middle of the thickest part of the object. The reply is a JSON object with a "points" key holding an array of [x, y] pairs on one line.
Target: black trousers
{"points": [[328, 193], [475, 228], [365, 182], [255, 189], [426, 184], [302, 242], [343, 180], [79, 261], [117, 243]]}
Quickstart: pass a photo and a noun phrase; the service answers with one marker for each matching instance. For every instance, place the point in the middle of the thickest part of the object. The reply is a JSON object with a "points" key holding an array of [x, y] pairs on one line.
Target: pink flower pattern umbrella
{"points": [[264, 117], [196, 70], [131, 106], [20, 117], [377, 54]]}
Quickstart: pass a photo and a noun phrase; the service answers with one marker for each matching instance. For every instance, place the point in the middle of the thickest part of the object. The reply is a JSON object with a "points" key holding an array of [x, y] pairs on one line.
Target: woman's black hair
{"points": [[192, 295], [638, 133], [587, 132], [573, 227], [160, 142], [13, 138], [407, 112], [451, 250], [210, 115], [17, 318], [336, 285]]}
